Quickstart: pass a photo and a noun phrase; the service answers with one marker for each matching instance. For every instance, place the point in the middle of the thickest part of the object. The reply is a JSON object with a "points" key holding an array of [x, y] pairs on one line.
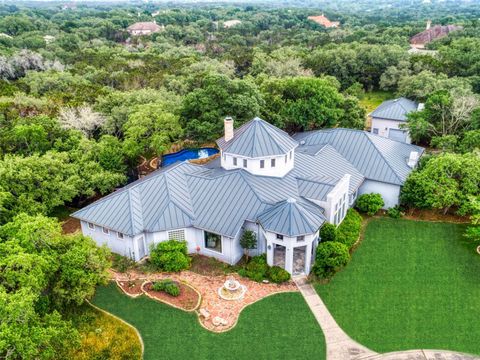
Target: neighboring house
{"points": [[323, 20], [387, 118], [432, 33], [48, 39], [281, 187], [144, 28], [231, 23]]}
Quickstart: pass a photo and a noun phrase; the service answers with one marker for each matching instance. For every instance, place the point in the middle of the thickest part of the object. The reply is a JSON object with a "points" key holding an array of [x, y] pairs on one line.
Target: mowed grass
{"points": [[278, 327], [372, 99], [410, 285]]}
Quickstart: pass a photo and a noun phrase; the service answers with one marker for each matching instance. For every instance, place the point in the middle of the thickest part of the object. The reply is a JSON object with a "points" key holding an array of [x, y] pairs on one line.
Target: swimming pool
{"points": [[187, 154]]}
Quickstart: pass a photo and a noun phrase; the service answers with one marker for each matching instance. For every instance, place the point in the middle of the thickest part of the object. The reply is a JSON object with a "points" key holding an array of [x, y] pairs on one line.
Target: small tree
{"points": [[369, 203], [328, 232], [248, 241]]}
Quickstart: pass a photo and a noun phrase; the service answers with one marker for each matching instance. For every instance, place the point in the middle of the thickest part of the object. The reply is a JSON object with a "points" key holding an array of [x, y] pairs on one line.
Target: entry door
{"points": [[141, 247]]}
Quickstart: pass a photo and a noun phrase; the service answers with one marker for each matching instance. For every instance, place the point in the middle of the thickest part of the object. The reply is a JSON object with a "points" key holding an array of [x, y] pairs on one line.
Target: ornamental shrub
{"points": [[349, 230], [328, 232], [394, 212], [329, 257], [168, 286], [369, 203], [170, 256], [256, 269], [278, 275]]}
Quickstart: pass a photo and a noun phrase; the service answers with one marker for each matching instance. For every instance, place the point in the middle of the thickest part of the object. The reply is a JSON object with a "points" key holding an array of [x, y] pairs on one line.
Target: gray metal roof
{"points": [[373, 156], [212, 198], [292, 218], [396, 109], [258, 138]]}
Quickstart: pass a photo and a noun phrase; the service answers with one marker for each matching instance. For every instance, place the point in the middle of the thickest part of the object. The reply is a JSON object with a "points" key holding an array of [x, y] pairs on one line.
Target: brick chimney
{"points": [[228, 124]]}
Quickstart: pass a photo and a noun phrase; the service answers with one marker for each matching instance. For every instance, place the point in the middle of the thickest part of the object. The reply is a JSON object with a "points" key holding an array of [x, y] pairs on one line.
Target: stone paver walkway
{"points": [[341, 347]]}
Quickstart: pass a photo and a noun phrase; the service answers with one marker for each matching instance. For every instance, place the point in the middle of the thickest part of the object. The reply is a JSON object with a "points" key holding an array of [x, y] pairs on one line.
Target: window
{"points": [[262, 164], [244, 163], [224, 156], [300, 238], [375, 131], [178, 235], [213, 241], [272, 163], [235, 161], [286, 159], [279, 237], [91, 226], [105, 231], [291, 152], [120, 235]]}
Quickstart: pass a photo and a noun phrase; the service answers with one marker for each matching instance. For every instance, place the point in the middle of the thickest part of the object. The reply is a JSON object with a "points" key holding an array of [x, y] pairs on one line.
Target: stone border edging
{"points": [[133, 296], [170, 304], [240, 312], [142, 345]]}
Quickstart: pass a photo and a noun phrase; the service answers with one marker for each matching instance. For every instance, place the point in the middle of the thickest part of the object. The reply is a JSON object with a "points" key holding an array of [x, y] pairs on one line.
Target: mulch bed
{"points": [[187, 300], [71, 226], [434, 215], [132, 287]]}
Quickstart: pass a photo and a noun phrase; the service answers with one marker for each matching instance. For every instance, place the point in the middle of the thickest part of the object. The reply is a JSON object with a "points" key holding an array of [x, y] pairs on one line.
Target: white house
{"points": [[388, 117], [281, 187], [144, 28]]}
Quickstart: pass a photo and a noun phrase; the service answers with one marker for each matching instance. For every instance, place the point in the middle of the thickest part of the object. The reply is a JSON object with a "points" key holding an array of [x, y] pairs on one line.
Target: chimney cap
{"points": [[228, 118]]}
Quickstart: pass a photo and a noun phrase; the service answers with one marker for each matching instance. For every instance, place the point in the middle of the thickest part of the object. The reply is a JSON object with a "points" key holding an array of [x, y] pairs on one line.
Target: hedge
{"points": [[349, 230]]}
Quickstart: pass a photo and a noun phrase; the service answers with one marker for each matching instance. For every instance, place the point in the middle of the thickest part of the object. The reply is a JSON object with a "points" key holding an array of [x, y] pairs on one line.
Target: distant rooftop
{"points": [[142, 26], [324, 21], [396, 109], [433, 33]]}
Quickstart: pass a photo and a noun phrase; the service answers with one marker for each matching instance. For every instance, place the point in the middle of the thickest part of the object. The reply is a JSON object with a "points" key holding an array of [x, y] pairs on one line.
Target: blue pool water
{"points": [[187, 154]]}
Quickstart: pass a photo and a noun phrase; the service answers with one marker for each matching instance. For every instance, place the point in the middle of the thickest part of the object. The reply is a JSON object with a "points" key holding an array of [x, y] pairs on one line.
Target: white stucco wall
{"points": [[390, 192], [283, 164], [384, 125], [123, 246]]}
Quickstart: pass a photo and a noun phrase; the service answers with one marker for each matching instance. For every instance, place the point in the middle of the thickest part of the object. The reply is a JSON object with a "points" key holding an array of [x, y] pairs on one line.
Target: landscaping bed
{"points": [[278, 327], [187, 299], [132, 287]]}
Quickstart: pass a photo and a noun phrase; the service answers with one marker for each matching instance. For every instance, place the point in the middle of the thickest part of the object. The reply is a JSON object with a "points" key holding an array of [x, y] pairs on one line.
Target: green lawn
{"points": [[374, 98], [278, 327], [409, 285]]}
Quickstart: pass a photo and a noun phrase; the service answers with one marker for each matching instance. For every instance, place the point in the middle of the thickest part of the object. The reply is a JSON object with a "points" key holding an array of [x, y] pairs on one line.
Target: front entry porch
{"points": [[290, 255]]}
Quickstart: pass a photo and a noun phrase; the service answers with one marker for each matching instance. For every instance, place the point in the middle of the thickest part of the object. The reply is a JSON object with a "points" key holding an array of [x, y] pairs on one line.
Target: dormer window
{"points": [[244, 163], [235, 161], [262, 164], [272, 162]]}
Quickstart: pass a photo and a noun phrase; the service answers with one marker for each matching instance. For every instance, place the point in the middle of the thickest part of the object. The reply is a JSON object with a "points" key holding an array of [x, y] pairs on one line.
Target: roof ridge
{"points": [[130, 203], [243, 175], [383, 157]]}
